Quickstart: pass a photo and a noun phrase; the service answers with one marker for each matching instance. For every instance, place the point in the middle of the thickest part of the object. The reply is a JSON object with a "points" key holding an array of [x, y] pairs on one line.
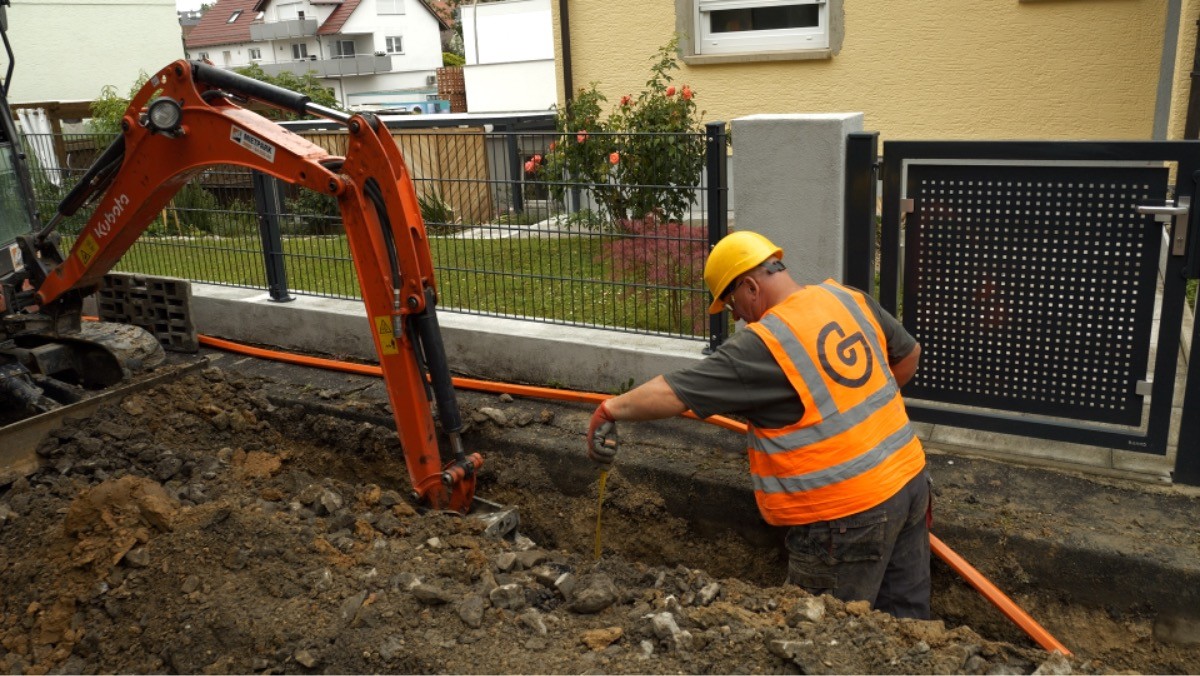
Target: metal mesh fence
{"points": [[606, 231]]}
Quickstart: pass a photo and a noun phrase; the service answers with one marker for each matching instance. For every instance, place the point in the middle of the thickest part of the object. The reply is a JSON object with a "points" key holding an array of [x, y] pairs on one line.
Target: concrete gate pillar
{"points": [[790, 173]]}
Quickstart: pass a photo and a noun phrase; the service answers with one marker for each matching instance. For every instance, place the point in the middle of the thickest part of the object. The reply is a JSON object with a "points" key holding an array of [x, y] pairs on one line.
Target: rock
{"points": [[470, 611], [6, 514], [137, 557], [305, 659], [167, 468], [506, 398], [391, 648], [114, 430], [859, 608], [430, 595], [191, 584], [1056, 665], [807, 609], [599, 639], [508, 596], [390, 498], [496, 415], [546, 416], [406, 581], [523, 419], [505, 561], [788, 649], [668, 631], [435, 543], [592, 594], [549, 573], [530, 558], [388, 524], [708, 593], [349, 607], [329, 502], [532, 620]]}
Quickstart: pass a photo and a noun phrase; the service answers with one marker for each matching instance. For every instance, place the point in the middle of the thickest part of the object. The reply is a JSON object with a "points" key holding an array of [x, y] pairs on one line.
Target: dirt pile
{"points": [[195, 528]]}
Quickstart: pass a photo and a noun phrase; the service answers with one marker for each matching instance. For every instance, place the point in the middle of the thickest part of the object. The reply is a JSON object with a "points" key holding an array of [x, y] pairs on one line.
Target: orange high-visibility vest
{"points": [[853, 448]]}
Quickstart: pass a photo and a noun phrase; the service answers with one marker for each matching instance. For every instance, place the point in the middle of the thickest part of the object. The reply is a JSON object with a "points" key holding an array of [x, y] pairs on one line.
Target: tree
{"points": [[109, 107], [643, 159], [308, 84]]}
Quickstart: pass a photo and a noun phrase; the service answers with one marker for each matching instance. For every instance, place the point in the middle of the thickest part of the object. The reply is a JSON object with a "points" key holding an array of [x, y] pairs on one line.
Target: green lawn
{"points": [[560, 278]]}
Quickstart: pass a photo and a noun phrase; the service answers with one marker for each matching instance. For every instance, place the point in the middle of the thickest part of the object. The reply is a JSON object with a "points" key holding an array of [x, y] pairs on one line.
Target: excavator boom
{"points": [[186, 119]]}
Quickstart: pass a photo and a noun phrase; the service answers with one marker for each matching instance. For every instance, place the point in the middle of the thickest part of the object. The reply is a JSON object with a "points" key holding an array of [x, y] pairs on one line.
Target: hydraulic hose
{"points": [[958, 564]]}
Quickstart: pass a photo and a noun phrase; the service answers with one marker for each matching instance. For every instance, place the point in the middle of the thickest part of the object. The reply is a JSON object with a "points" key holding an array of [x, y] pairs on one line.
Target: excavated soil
{"points": [[196, 528]]}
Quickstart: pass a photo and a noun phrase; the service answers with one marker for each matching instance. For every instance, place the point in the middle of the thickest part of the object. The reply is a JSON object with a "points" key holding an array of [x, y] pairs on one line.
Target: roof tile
{"points": [[214, 27]]}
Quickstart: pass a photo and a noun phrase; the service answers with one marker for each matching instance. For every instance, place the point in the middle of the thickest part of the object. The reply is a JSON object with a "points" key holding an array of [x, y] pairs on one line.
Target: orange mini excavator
{"points": [[185, 119]]}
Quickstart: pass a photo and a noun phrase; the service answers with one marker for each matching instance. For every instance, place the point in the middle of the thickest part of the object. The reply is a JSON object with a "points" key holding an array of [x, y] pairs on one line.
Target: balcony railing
{"points": [[339, 67], [278, 30]]}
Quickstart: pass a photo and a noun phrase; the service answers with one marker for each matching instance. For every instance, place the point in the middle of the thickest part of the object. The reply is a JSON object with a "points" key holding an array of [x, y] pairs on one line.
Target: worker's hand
{"points": [[602, 441]]}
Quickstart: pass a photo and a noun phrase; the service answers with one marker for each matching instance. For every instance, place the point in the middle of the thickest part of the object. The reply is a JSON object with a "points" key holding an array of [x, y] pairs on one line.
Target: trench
{"points": [[656, 516]]}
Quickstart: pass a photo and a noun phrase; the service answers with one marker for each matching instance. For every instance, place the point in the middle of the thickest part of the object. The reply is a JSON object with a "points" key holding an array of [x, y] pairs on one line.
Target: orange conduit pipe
{"points": [[957, 563]]}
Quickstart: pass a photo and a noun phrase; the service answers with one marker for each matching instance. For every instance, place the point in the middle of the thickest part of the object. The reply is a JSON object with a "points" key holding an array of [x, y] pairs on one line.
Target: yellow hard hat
{"points": [[736, 253]]}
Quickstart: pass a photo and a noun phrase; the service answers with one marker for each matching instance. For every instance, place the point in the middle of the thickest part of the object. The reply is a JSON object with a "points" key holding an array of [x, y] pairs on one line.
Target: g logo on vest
{"points": [[847, 353]]}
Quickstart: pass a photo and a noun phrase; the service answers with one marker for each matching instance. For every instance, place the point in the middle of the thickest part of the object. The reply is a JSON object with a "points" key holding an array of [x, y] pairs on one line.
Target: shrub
{"points": [[643, 159], [668, 255]]}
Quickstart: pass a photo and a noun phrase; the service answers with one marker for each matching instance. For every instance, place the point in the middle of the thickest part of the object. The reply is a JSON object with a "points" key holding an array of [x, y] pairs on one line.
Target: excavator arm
{"points": [[186, 119]]}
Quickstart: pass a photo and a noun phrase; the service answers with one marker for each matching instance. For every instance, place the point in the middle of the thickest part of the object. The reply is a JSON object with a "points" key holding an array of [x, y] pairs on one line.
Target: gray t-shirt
{"points": [[742, 377]]}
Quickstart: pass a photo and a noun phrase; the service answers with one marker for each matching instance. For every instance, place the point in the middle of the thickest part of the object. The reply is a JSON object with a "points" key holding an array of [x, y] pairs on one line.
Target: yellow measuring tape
{"points": [[599, 509]]}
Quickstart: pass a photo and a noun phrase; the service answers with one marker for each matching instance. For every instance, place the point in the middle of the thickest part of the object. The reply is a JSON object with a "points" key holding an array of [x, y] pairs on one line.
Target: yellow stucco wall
{"points": [[969, 69]]}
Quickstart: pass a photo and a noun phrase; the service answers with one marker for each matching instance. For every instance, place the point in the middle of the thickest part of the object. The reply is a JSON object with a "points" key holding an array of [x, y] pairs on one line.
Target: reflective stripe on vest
{"points": [[832, 463]]}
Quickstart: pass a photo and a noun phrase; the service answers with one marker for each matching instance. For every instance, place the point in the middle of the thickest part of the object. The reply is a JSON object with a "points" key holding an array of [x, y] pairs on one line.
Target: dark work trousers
{"points": [[880, 555]]}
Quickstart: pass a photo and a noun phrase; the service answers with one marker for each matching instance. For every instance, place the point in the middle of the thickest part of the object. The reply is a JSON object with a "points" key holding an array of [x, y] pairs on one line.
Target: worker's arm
{"points": [[651, 400], [905, 368]]}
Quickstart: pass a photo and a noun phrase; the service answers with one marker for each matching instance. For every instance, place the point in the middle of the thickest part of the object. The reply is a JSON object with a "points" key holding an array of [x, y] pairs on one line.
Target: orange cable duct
{"points": [[960, 565]]}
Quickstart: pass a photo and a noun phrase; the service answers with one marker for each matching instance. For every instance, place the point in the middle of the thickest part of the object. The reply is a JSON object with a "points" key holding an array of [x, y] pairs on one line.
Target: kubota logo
{"points": [[106, 224]]}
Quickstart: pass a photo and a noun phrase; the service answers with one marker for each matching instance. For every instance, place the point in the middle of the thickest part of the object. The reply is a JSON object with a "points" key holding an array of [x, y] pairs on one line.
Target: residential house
{"points": [[509, 49], [374, 54], [68, 50], [965, 69]]}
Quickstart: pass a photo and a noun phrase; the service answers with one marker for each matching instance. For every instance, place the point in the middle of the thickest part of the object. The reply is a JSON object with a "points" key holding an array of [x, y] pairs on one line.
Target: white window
{"points": [[742, 26], [299, 51], [395, 44], [255, 54], [226, 58], [343, 49], [234, 17], [389, 6], [204, 56]]}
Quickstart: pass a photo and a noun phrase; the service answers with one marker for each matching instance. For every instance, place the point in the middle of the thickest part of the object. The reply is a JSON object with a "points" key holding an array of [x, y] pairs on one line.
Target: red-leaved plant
{"points": [[667, 255]]}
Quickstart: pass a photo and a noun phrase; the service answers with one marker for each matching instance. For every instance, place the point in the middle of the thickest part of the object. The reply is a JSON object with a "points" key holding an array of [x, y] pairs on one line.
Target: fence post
{"points": [[268, 202], [517, 172], [858, 265], [717, 206]]}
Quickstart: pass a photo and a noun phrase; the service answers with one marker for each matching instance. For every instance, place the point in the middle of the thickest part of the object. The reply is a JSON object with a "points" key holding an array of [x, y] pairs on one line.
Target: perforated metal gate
{"points": [[1030, 275]]}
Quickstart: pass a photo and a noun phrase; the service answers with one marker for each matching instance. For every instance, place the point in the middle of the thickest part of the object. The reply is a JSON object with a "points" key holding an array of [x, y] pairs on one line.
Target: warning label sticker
{"points": [[252, 143], [87, 249], [387, 338]]}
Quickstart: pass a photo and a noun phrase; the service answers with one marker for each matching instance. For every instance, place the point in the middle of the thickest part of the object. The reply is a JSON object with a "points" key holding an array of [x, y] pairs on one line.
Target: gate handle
{"points": [[1179, 211]]}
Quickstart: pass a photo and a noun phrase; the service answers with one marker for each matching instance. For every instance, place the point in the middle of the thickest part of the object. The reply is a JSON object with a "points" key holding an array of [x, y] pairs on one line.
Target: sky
{"points": [[188, 5]]}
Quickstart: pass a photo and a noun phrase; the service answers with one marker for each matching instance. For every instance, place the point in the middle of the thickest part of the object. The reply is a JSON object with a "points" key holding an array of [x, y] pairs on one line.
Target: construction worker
{"points": [[832, 455]]}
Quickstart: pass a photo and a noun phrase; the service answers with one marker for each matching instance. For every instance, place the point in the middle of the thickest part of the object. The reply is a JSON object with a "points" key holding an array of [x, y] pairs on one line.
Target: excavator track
{"points": [[18, 452]]}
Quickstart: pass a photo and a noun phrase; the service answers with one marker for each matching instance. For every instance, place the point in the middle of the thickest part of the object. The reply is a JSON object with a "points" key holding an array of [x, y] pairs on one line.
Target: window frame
{"points": [[339, 49], [387, 43], [234, 17], [300, 51], [396, 7], [254, 53], [773, 46]]}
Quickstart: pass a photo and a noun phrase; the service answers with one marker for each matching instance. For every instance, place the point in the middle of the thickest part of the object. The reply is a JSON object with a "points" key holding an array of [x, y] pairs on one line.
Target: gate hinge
{"points": [[1177, 212], [1143, 387]]}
